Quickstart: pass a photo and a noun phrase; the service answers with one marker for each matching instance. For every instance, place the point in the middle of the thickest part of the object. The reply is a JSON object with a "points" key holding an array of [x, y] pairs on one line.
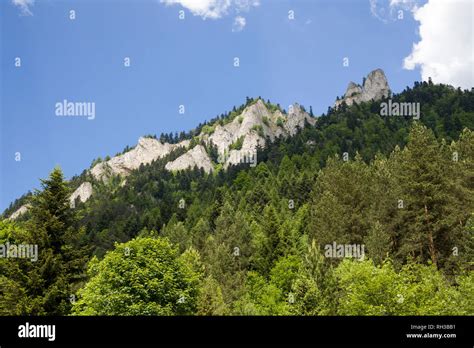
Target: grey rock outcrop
{"points": [[20, 211], [242, 125], [146, 151], [253, 127], [83, 192], [375, 87], [197, 156], [296, 120]]}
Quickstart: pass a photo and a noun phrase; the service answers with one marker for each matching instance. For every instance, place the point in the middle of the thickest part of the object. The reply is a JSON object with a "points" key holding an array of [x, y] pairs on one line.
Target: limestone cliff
{"points": [[375, 87]]}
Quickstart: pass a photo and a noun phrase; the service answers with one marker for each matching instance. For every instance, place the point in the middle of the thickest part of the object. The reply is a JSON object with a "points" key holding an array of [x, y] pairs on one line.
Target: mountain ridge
{"points": [[236, 137]]}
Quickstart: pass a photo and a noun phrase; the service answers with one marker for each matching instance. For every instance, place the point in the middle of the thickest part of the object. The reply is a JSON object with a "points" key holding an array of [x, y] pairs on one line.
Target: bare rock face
{"points": [[147, 151], [375, 87], [353, 89], [296, 119], [244, 124], [254, 126], [197, 156], [251, 129], [20, 211], [84, 192], [248, 152]]}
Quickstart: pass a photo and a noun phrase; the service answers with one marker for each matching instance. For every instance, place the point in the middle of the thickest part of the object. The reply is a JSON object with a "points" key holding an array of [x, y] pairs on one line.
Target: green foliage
{"points": [[280, 122], [227, 252], [378, 243], [284, 273], [272, 107], [144, 276], [315, 287], [207, 129], [380, 290], [259, 129], [177, 233], [237, 145], [261, 298], [44, 286], [211, 301]]}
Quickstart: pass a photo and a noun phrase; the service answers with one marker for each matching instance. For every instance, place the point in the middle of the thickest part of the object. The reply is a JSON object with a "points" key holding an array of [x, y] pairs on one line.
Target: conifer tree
{"points": [[431, 211], [47, 285]]}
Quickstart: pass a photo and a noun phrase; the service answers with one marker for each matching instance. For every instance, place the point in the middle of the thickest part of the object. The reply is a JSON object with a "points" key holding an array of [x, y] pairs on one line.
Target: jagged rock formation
{"points": [[375, 87], [20, 211], [83, 192], [252, 127], [197, 156], [224, 136], [147, 151], [296, 119], [236, 141]]}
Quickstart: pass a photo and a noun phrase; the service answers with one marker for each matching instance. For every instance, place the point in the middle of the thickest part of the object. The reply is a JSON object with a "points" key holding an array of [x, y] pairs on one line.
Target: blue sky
{"points": [[173, 62]]}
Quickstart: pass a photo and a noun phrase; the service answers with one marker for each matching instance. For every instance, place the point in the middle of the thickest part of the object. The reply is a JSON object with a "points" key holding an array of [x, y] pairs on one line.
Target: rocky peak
{"points": [[252, 127], [296, 119], [353, 89], [375, 87]]}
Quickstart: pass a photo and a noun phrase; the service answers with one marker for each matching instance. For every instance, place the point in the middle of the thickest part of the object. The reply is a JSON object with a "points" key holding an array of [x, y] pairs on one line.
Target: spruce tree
{"points": [[62, 256]]}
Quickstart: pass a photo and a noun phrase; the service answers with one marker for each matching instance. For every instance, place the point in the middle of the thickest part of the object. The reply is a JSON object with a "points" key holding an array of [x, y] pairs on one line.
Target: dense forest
{"points": [[255, 240]]}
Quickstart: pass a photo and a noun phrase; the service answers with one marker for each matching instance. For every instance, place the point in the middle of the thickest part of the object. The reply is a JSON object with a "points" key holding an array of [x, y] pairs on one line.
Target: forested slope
{"points": [[254, 240]]}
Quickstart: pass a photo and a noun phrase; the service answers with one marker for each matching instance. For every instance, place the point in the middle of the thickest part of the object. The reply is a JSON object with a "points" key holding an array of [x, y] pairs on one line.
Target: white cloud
{"points": [[239, 24], [445, 51], [24, 6], [214, 8], [387, 10], [245, 5]]}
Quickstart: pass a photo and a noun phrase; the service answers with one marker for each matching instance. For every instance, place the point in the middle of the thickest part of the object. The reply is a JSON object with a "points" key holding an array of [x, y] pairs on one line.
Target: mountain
{"points": [[374, 87], [253, 127], [233, 139], [239, 237]]}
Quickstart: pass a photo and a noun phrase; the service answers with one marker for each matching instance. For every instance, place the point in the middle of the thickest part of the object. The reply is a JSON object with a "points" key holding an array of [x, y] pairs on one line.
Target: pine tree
{"points": [[432, 205], [315, 288], [177, 233], [211, 301], [49, 282], [378, 243], [228, 251]]}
